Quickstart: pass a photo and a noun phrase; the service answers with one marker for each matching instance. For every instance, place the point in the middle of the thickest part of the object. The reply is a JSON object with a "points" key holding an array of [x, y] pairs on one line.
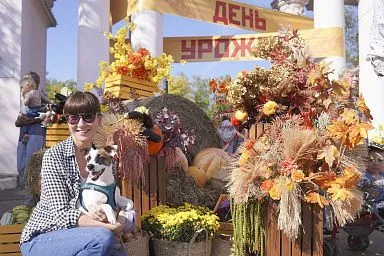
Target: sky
{"points": [[62, 43]]}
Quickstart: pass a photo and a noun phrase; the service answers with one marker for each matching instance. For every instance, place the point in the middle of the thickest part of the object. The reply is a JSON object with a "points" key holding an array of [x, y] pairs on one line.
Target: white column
{"points": [[370, 85], [148, 32], [93, 46], [330, 13]]}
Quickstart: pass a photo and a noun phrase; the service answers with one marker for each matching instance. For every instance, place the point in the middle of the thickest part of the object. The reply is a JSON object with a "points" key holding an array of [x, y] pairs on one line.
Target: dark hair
{"points": [[34, 76], [81, 102]]}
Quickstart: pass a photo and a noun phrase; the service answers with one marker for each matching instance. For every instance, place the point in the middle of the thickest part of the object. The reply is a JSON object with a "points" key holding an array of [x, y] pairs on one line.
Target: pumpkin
{"points": [[197, 174], [155, 147], [211, 160], [241, 115]]}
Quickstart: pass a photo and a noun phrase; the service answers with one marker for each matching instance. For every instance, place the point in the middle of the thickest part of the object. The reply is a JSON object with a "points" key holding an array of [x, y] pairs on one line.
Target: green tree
{"points": [[179, 85], [200, 92], [54, 86]]}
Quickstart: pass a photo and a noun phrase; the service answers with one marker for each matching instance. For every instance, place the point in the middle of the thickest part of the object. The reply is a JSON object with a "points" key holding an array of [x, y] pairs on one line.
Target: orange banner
{"points": [[224, 12], [324, 42]]}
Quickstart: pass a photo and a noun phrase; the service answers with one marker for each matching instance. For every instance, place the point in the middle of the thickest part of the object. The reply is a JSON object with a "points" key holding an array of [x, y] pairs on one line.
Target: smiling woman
{"points": [[56, 217]]}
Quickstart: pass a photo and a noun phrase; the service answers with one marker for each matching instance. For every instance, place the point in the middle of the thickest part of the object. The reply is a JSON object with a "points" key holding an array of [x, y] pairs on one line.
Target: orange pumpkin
{"points": [[155, 147], [197, 174], [211, 160]]}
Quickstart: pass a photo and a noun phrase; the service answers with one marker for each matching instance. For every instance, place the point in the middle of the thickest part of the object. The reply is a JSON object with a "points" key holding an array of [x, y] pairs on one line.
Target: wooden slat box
{"points": [[56, 133], [9, 240], [152, 193], [125, 87]]}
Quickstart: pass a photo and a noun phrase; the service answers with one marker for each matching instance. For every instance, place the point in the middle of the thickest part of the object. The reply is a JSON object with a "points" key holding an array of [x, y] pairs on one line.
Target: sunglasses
{"points": [[74, 119]]}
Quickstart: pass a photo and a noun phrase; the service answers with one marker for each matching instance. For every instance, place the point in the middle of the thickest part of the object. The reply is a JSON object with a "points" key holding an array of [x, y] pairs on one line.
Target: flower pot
{"points": [[125, 87], [221, 245], [56, 133], [172, 248]]}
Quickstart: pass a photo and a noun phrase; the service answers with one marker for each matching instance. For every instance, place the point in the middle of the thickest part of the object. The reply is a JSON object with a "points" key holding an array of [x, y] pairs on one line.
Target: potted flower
{"points": [[132, 73], [185, 230]]}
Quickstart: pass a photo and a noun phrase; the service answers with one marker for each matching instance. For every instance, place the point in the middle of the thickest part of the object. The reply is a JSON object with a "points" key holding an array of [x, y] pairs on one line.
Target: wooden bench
{"points": [[9, 240], [56, 133]]}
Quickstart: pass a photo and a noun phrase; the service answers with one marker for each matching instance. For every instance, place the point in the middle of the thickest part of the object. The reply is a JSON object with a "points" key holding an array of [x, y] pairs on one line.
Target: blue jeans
{"points": [[81, 241]]}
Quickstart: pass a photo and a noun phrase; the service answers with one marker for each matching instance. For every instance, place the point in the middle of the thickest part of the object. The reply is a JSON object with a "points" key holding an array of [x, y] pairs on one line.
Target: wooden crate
{"points": [[56, 133], [9, 240], [152, 192], [125, 87]]}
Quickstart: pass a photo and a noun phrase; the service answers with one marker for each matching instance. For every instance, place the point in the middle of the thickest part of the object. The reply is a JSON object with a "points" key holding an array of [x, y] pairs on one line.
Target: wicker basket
{"points": [[137, 246], [173, 248], [221, 245]]}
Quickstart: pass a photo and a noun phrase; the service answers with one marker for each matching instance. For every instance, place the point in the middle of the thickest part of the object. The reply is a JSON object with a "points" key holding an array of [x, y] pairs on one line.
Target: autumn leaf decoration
{"points": [[349, 128]]}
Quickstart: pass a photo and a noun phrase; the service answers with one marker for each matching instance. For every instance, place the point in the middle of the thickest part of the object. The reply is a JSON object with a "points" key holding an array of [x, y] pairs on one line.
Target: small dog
{"points": [[100, 187]]}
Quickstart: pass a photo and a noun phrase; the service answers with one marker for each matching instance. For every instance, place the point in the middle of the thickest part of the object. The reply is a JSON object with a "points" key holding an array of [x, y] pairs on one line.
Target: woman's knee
{"points": [[105, 238]]}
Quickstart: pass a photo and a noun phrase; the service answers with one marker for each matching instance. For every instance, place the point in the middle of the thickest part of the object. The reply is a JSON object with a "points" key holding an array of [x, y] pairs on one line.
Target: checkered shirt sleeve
{"points": [[59, 192]]}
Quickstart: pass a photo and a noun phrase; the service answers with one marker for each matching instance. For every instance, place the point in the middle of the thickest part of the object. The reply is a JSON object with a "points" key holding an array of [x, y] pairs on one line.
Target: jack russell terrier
{"points": [[100, 187]]}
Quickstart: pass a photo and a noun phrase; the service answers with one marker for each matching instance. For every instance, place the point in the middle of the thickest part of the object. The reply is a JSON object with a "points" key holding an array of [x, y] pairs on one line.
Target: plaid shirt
{"points": [[61, 182]]}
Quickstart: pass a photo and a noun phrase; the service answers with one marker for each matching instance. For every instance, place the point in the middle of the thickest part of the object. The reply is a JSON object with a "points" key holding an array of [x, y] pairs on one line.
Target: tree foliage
{"points": [[54, 86], [179, 85]]}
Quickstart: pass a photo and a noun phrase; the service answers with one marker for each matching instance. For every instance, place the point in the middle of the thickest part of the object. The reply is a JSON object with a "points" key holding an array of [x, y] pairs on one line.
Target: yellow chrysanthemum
{"points": [[274, 193], [269, 108], [297, 175]]}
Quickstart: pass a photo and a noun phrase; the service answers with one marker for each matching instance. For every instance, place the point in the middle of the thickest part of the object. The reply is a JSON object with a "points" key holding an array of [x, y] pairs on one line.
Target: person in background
{"points": [[373, 178], [31, 140], [56, 226], [228, 134]]}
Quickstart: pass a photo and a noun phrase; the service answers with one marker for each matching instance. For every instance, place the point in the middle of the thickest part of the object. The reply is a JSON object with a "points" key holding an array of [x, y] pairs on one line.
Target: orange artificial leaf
{"points": [[338, 130], [322, 179], [338, 88], [213, 85], [360, 103], [349, 178], [329, 153], [349, 116], [358, 132], [338, 193], [316, 198]]}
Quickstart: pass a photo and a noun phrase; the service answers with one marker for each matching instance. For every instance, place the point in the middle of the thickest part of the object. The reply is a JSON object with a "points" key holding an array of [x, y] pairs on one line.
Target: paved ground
{"points": [[14, 197], [376, 247]]}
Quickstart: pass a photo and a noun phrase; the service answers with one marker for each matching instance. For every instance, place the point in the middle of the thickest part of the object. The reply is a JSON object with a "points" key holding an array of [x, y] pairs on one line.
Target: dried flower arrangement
{"points": [[118, 129], [302, 155], [173, 136]]}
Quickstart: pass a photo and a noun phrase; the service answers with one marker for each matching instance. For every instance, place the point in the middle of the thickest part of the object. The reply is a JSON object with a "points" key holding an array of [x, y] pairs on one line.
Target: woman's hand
{"points": [[97, 213], [119, 225]]}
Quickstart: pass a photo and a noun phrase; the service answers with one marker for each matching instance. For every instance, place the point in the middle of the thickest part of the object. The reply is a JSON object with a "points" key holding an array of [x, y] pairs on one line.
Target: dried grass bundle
{"points": [[132, 150], [242, 184], [299, 143], [289, 219], [346, 211]]}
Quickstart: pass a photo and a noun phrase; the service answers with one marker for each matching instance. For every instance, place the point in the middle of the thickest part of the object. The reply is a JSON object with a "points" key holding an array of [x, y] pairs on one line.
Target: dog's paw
{"points": [[112, 219]]}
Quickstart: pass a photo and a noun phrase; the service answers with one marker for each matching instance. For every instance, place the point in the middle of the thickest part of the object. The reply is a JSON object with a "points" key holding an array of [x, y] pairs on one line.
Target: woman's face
{"points": [[83, 131], [376, 163]]}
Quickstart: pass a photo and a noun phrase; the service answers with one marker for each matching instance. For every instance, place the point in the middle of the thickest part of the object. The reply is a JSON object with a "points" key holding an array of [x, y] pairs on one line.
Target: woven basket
{"points": [[137, 246], [221, 245], [173, 248]]}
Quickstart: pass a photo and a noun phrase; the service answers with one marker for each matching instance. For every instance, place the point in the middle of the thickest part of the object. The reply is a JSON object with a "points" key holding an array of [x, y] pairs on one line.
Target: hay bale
{"points": [[32, 172], [182, 188], [191, 116]]}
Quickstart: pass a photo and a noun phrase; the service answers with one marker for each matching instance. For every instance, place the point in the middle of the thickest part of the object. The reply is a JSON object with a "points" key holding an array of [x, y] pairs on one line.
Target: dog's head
{"points": [[100, 163]]}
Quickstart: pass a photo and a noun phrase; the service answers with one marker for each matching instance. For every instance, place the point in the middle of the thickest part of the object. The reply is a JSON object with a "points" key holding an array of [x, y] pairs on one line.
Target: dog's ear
{"points": [[94, 146], [111, 150]]}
